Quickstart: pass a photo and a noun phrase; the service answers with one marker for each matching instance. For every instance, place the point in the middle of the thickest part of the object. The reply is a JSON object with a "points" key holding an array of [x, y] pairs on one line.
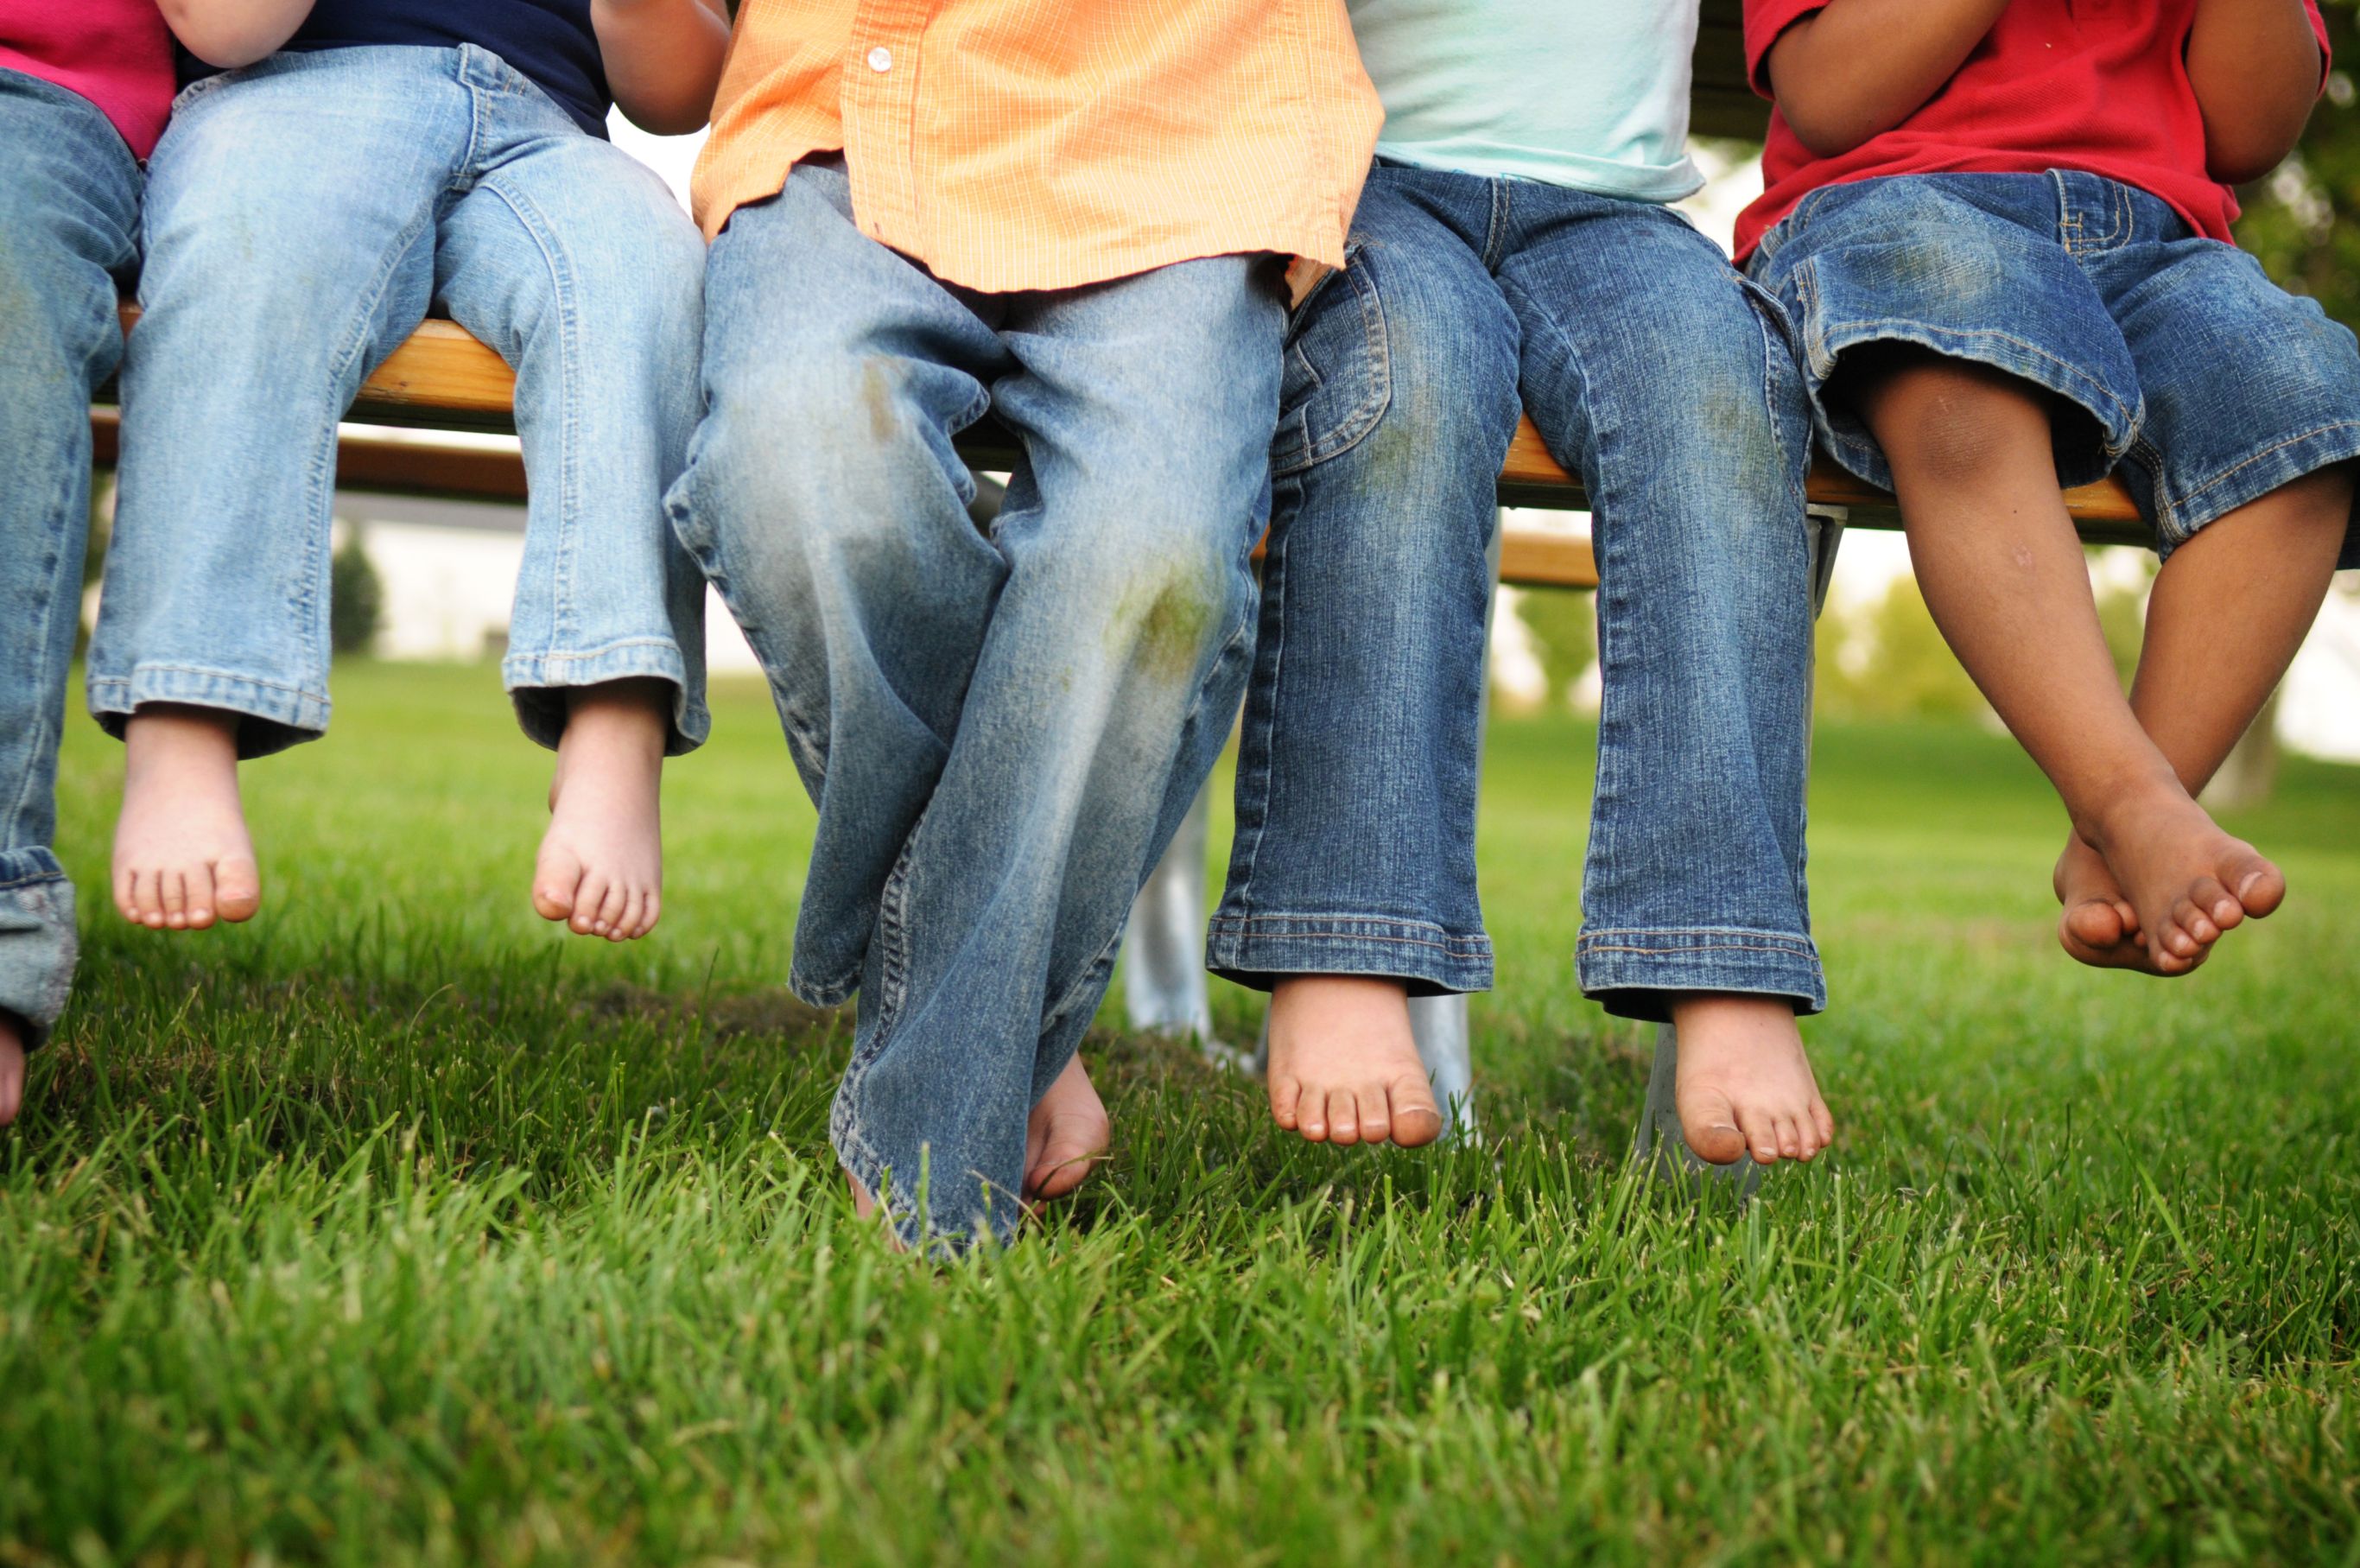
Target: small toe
{"points": [[1285, 1096], [198, 889], [1375, 1113], [175, 899], [589, 897], [1343, 1118]]}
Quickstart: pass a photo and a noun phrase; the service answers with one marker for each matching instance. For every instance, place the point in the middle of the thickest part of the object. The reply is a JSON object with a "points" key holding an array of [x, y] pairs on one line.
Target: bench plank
{"points": [[443, 378]]}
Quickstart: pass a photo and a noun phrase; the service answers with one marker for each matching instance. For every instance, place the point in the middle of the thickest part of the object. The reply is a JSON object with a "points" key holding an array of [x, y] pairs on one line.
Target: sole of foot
{"points": [[2188, 882], [600, 869], [1344, 1067], [183, 858], [1065, 1136], [1745, 1086]]}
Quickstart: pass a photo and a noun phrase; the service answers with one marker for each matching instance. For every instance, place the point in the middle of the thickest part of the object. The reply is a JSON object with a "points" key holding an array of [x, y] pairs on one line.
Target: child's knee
{"points": [[1945, 421]]}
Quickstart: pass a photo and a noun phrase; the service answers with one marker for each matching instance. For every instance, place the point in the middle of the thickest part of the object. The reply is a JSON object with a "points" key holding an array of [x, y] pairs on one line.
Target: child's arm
{"points": [[2256, 68], [231, 33], [663, 58], [1856, 68]]}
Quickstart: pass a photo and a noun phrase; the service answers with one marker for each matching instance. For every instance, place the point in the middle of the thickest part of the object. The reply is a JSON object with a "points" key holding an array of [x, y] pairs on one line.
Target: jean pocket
{"points": [[1337, 378]]}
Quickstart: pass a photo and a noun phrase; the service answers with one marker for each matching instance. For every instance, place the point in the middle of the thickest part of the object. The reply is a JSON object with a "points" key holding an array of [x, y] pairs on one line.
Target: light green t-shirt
{"points": [[1592, 94]]}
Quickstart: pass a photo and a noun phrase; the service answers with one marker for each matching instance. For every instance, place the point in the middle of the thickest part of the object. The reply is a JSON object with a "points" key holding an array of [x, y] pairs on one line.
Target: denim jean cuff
{"points": [[271, 717], [1256, 950], [2179, 516], [905, 1205], [1633, 973], [37, 944], [537, 684]]}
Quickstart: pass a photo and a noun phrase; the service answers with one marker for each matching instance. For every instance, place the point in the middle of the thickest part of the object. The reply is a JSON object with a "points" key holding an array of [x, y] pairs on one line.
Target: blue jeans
{"points": [[1000, 732], [69, 230], [1666, 381], [303, 216], [2173, 358]]}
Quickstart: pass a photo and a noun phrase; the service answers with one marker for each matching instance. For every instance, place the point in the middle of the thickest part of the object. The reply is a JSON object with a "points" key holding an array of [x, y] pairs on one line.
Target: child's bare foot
{"points": [[601, 865], [2186, 880], [183, 856], [2098, 925], [865, 1207], [1344, 1067], [1065, 1136], [12, 1069], [1744, 1083]]}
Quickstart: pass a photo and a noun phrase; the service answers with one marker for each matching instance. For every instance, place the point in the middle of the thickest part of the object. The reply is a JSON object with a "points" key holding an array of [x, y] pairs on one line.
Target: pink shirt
{"points": [[117, 53]]}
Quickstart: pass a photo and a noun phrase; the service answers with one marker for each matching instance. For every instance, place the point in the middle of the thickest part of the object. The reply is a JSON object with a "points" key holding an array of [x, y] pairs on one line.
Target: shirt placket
{"points": [[880, 104]]}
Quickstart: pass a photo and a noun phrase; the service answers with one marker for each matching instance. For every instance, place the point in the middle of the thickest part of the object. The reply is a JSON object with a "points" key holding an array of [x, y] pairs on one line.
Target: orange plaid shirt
{"points": [[1045, 144]]}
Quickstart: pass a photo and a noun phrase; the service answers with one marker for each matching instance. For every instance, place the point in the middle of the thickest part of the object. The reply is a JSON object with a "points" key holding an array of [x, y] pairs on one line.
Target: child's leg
{"points": [[601, 862], [1973, 466], [289, 248], [1352, 868], [575, 263], [1681, 405], [2262, 571], [69, 215]]}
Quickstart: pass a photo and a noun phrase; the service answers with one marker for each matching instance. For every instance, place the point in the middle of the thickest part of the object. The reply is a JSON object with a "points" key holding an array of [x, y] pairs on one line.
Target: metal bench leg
{"points": [[1658, 1140], [1164, 989]]}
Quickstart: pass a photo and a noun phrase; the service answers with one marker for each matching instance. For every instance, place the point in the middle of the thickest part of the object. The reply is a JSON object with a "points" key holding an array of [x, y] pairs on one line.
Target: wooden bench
{"points": [[444, 379]]}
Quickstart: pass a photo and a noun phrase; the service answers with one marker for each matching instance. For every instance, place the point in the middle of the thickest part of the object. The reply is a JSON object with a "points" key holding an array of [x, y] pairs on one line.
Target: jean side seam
{"points": [[569, 381]]}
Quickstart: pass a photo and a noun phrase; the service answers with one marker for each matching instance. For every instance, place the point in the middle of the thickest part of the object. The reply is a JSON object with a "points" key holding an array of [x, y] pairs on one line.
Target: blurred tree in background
{"points": [[355, 596]]}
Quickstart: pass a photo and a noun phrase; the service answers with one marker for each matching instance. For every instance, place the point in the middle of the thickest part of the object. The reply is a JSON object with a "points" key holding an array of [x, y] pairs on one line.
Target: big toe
{"points": [[556, 881], [1709, 1123], [2257, 884], [1067, 1156], [1416, 1119], [237, 888]]}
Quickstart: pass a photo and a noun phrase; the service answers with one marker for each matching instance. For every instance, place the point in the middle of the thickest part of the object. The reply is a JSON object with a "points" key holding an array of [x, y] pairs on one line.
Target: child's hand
{"points": [[2256, 68], [1857, 68], [231, 33], [662, 58]]}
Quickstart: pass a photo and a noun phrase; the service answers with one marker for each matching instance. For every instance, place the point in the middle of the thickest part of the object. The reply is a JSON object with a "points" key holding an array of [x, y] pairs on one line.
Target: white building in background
{"points": [[450, 567]]}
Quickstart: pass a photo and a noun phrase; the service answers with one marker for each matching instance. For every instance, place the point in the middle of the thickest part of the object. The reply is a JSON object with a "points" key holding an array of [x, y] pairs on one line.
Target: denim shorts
{"points": [[2183, 365]]}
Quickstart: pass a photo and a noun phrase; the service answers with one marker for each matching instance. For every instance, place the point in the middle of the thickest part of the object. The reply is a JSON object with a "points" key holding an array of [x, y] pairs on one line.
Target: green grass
{"points": [[397, 1228]]}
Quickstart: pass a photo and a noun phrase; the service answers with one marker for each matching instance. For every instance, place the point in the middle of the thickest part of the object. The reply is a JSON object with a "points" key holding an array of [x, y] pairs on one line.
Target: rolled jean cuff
{"points": [[537, 684], [37, 945], [1635, 973], [271, 717], [1256, 950]]}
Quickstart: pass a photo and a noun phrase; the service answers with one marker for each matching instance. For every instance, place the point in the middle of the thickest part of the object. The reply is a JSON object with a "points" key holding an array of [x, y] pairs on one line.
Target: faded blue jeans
{"points": [[1001, 732], [69, 233], [1665, 379], [304, 214]]}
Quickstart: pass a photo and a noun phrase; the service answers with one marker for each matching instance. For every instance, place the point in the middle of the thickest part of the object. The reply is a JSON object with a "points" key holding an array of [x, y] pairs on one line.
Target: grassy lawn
{"points": [[398, 1228]]}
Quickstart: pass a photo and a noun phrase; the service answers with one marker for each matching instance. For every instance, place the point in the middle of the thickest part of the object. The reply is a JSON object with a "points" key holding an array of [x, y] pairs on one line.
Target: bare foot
{"points": [[12, 1069], [865, 1207], [2186, 880], [601, 865], [1744, 1084], [2098, 925], [1344, 1067], [183, 856], [1065, 1136]]}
